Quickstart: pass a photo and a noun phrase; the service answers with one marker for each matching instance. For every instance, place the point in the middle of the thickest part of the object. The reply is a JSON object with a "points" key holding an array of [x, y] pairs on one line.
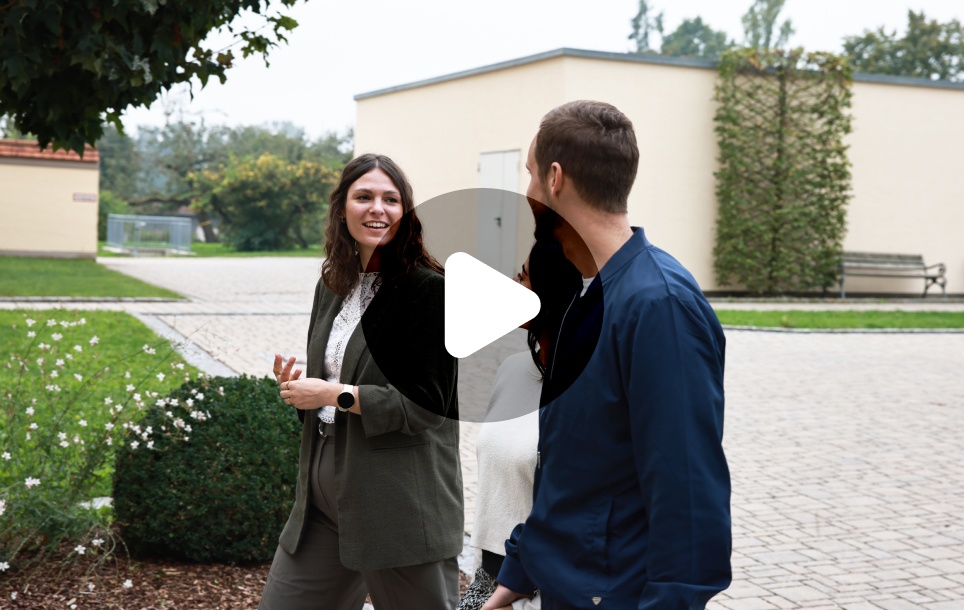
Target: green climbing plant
{"points": [[784, 179]]}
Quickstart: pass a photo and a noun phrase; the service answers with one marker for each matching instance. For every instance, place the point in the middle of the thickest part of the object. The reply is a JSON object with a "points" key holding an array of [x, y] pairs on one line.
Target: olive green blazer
{"points": [[398, 476]]}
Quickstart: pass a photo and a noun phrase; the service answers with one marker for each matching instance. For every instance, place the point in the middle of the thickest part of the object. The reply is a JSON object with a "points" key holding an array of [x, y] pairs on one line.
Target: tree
{"points": [[265, 203], [784, 179], [693, 38], [644, 25], [760, 26], [69, 64], [929, 49]]}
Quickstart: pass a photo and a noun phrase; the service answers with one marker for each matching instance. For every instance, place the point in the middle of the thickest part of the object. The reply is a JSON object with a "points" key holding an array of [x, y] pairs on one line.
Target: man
{"points": [[631, 498]]}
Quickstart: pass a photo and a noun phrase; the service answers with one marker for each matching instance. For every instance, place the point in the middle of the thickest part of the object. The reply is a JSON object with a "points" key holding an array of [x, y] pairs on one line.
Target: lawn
{"points": [[212, 250], [61, 277], [64, 381], [846, 319]]}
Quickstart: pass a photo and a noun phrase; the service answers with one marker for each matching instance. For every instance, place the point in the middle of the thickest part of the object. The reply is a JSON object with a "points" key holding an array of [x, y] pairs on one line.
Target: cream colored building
{"points": [[473, 129], [48, 201]]}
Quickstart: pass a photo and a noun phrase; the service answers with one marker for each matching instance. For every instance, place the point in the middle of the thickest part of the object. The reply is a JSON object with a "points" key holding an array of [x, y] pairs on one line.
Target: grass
{"points": [[216, 250], [847, 319], [60, 277], [78, 406]]}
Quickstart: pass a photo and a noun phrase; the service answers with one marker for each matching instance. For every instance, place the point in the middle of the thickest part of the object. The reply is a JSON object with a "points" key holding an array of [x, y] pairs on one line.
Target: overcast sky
{"points": [[345, 48]]}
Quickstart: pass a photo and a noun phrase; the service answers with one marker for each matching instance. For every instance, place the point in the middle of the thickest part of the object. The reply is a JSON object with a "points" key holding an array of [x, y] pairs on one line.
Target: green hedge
{"points": [[209, 476]]}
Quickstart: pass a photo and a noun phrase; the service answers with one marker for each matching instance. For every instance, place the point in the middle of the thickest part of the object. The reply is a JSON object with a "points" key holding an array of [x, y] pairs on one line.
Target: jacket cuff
{"points": [[513, 576]]}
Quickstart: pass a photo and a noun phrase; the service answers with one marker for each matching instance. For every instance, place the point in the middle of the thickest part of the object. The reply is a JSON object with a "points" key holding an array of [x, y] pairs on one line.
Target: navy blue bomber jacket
{"points": [[631, 503]]}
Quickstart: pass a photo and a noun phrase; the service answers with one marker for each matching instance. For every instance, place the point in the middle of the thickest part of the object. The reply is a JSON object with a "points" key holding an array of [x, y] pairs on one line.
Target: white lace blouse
{"points": [[352, 309]]}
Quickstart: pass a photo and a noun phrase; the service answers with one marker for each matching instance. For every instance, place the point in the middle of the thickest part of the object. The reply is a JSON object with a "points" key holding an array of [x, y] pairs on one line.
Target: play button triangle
{"points": [[481, 305]]}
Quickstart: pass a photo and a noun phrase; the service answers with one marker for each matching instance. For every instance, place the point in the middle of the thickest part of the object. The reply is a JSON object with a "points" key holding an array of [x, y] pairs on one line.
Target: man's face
{"points": [[536, 191]]}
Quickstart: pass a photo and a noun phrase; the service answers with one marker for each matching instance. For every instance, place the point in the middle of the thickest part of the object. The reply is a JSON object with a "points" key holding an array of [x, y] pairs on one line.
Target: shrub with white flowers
{"points": [[67, 396]]}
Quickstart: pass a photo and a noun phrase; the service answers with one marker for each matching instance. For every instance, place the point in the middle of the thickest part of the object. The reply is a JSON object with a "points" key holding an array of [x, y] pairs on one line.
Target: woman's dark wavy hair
{"points": [[556, 281], [401, 255]]}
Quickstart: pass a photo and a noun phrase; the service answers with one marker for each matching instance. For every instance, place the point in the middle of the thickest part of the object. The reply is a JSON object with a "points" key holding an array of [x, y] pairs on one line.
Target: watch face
{"points": [[346, 400]]}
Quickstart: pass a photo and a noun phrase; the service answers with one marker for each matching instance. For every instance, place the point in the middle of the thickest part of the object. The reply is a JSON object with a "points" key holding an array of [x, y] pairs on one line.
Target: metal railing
{"points": [[168, 234]]}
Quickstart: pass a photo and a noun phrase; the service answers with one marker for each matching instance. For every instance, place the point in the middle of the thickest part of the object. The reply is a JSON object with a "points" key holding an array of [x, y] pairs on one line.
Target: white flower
{"points": [[77, 440], [150, 444], [160, 376], [78, 377], [51, 322], [96, 542], [189, 402], [31, 334], [78, 348], [200, 396], [134, 444], [80, 549], [4, 566], [94, 340], [64, 444], [40, 361], [180, 365], [82, 321], [160, 402], [28, 436], [30, 411], [54, 374], [108, 400], [3, 506], [110, 441], [60, 361], [136, 397], [56, 336], [90, 586], [186, 439], [127, 375], [30, 322], [109, 426], [65, 323], [128, 583], [6, 455], [42, 346], [33, 425], [130, 387], [31, 482], [14, 594], [62, 436], [69, 356], [83, 423]]}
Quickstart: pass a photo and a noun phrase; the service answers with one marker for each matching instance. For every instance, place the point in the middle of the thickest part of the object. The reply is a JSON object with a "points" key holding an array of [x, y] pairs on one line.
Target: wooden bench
{"points": [[869, 264]]}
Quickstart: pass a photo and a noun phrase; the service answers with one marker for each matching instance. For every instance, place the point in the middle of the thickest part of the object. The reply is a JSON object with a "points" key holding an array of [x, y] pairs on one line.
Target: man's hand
{"points": [[502, 598]]}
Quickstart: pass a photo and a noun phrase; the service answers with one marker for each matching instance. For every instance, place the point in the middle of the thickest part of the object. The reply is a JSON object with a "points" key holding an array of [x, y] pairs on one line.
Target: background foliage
{"points": [[267, 202], [224, 495], [928, 49], [784, 178], [69, 64]]}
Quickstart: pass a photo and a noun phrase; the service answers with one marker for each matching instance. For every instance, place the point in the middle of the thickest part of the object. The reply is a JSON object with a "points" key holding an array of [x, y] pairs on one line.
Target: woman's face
{"points": [[523, 278], [372, 209]]}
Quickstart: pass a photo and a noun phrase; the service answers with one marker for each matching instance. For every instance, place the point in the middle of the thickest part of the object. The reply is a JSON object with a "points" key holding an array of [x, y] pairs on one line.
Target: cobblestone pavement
{"points": [[846, 450]]}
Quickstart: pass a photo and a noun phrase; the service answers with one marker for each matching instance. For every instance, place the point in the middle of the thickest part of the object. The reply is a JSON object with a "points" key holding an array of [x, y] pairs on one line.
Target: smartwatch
{"points": [[346, 399]]}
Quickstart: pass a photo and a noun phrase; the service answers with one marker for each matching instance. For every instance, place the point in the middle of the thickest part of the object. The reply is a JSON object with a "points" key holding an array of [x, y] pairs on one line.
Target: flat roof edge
{"points": [[645, 58]]}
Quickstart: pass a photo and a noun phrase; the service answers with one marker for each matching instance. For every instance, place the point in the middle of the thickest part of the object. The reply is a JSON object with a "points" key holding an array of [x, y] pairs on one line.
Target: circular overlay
{"points": [[500, 229]]}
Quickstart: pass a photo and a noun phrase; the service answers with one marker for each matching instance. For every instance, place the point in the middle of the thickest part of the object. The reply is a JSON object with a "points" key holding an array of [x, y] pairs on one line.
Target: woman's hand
{"points": [[309, 393], [283, 374]]}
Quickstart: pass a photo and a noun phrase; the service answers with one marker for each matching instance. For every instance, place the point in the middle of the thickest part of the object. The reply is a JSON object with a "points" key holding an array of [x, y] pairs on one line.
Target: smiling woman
{"points": [[378, 507]]}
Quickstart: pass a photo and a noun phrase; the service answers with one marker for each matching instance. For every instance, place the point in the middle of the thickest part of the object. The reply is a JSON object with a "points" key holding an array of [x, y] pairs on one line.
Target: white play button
{"points": [[481, 305]]}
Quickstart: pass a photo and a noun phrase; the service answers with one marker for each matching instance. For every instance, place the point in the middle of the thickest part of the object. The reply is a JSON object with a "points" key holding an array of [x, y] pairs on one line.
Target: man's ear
{"points": [[555, 179]]}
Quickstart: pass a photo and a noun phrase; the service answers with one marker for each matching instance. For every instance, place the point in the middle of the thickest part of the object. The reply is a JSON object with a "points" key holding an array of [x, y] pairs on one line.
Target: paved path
{"points": [[846, 450]]}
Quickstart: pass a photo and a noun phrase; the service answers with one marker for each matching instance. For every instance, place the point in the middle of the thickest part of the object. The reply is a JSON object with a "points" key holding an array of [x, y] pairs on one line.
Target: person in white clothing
{"points": [[506, 445]]}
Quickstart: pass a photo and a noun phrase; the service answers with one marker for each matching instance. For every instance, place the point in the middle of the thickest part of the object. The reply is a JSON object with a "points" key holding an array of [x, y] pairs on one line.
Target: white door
{"points": [[498, 210]]}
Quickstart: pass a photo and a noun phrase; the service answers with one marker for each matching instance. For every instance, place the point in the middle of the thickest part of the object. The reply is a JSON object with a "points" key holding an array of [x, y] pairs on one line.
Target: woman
{"points": [[378, 507], [506, 445]]}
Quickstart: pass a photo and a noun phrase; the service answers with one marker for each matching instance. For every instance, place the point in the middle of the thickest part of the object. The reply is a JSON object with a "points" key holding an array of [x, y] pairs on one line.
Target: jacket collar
{"points": [[627, 252]]}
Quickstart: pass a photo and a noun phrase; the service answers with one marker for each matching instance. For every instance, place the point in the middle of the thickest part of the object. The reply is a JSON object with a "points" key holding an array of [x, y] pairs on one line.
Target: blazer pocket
{"points": [[396, 440]]}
